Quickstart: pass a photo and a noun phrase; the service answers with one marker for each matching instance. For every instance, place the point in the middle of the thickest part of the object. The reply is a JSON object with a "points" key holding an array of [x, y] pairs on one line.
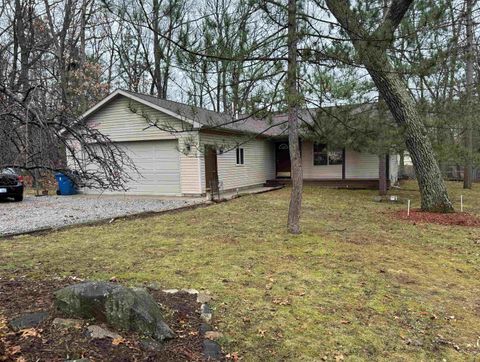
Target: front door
{"points": [[211, 170], [282, 157]]}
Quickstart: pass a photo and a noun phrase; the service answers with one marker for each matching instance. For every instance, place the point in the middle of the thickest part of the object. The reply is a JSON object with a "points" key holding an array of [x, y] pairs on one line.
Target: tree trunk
{"points": [[235, 89], [22, 38], [401, 165], [372, 52], [157, 56], [468, 169], [382, 175], [295, 207], [434, 196]]}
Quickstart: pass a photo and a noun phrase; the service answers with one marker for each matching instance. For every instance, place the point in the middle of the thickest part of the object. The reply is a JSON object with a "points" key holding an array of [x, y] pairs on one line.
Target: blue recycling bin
{"points": [[65, 185]]}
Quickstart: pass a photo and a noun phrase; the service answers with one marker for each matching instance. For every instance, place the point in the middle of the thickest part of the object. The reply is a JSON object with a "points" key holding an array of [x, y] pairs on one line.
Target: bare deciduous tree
{"points": [[41, 47]]}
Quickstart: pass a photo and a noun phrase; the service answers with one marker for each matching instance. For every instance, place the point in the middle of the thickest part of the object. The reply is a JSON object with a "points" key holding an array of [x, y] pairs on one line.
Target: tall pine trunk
{"points": [[434, 196], [295, 207], [468, 169], [372, 53]]}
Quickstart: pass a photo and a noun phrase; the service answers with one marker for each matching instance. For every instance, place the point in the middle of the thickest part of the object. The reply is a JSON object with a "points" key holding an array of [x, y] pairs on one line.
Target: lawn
{"points": [[357, 284]]}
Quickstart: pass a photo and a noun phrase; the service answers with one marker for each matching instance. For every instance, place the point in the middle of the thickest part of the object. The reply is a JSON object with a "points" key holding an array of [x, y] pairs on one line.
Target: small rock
{"points": [[206, 312], [203, 297], [67, 323], [204, 327], [414, 342], [151, 345], [97, 332], [154, 286], [28, 320], [213, 335], [170, 291], [211, 350], [190, 291]]}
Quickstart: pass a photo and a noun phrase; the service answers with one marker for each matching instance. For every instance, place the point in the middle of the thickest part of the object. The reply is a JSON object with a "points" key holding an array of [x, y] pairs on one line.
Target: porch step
{"points": [[273, 183]]}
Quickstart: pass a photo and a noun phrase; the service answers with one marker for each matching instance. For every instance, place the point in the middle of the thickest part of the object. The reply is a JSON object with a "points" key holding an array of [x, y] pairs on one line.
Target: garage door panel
{"points": [[148, 180], [158, 165], [155, 165]]}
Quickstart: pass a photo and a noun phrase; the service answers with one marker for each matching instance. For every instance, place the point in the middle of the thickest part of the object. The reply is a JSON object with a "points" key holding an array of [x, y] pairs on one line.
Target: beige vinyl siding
{"points": [[258, 164], [361, 165], [394, 168], [118, 122], [77, 148], [311, 171], [190, 164]]}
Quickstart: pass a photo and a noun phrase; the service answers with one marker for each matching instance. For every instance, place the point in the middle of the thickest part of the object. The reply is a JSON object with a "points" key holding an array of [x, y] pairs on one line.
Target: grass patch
{"points": [[357, 284]]}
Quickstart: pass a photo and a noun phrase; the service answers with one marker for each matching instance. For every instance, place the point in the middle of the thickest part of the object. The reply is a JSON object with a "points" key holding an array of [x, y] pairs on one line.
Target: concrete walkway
{"points": [[229, 195]]}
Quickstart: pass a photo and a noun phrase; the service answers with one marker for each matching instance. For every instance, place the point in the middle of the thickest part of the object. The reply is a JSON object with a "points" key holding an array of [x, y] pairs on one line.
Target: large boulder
{"points": [[122, 308]]}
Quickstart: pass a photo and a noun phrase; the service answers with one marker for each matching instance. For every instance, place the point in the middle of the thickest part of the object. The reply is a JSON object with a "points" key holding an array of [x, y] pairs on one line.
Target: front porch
{"points": [[354, 184], [335, 168]]}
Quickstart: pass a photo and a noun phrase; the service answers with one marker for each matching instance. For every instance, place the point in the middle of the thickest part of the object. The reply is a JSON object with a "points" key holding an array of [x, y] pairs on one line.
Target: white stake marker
{"points": [[461, 203], [408, 207]]}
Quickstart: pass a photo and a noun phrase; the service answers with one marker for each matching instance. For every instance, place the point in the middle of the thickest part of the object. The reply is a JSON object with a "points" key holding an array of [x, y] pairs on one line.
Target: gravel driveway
{"points": [[39, 213]]}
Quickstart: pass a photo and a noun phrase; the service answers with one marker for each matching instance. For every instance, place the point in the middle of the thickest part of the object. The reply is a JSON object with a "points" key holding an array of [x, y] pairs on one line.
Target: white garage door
{"points": [[158, 163]]}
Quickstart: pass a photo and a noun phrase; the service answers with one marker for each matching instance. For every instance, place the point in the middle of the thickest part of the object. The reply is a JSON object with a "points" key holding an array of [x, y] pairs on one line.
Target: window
{"points": [[335, 157], [320, 154], [240, 159], [323, 157]]}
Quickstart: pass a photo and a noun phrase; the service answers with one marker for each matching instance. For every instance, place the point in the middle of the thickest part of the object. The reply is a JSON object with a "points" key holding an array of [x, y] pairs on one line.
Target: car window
{"points": [[8, 171]]}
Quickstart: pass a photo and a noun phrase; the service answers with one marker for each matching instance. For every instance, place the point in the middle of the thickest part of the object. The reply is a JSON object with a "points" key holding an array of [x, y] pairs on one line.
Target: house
{"points": [[186, 151]]}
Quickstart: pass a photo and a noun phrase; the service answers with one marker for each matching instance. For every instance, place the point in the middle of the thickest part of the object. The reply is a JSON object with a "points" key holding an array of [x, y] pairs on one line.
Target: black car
{"points": [[11, 184]]}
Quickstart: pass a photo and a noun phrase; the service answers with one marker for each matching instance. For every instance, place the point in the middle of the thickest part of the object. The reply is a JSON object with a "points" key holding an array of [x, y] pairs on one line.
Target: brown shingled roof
{"points": [[276, 125], [216, 120]]}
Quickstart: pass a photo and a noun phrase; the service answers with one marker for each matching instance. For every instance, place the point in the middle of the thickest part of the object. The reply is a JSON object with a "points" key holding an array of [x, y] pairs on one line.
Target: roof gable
{"points": [[199, 118], [135, 97]]}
